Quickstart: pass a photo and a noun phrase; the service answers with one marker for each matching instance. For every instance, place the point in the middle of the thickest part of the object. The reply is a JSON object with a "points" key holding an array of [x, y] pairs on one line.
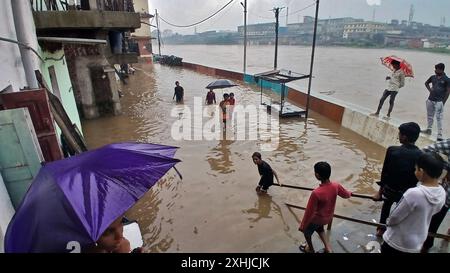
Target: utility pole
{"points": [[287, 16], [312, 59], [245, 34], [277, 22], [159, 34]]}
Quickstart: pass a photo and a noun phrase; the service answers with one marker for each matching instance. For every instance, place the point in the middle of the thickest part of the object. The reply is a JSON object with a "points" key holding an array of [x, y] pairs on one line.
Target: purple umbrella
{"points": [[71, 202]]}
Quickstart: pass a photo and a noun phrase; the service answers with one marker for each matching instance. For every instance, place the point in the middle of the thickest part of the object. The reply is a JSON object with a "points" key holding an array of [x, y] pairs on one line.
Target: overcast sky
{"points": [[184, 12]]}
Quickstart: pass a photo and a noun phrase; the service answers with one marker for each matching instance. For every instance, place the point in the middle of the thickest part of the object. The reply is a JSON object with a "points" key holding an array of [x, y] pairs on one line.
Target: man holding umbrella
{"points": [[395, 81]]}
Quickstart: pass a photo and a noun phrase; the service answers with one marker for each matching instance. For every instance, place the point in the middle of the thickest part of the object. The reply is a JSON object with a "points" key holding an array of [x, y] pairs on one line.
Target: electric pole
{"points": [[245, 34], [159, 34], [312, 58], [277, 22], [287, 16]]}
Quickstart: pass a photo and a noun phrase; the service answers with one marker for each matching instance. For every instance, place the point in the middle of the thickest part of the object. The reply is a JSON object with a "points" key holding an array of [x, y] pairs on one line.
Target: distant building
{"points": [[142, 35], [258, 30], [334, 28], [403, 41], [327, 29], [363, 29]]}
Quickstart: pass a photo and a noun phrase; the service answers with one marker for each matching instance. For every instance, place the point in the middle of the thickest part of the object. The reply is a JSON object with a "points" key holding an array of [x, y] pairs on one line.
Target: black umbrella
{"points": [[223, 83]]}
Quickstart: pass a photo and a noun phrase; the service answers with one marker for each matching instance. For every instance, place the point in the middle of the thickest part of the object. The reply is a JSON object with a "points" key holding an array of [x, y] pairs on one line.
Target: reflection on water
{"points": [[217, 193], [219, 157]]}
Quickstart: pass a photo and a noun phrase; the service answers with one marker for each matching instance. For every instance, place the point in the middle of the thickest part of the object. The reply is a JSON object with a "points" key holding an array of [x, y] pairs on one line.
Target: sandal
{"points": [[304, 248]]}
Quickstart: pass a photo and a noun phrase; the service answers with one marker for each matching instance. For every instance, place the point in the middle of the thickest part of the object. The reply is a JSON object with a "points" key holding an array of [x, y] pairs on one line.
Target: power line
{"points": [[257, 15], [191, 25], [295, 12], [307, 7], [223, 14]]}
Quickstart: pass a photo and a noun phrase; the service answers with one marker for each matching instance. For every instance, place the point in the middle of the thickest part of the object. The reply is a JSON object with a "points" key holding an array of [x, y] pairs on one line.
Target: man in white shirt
{"points": [[396, 81]]}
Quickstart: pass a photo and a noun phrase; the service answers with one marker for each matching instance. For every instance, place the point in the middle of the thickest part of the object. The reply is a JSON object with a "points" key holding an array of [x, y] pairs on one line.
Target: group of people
{"points": [[411, 178], [228, 100], [439, 92]]}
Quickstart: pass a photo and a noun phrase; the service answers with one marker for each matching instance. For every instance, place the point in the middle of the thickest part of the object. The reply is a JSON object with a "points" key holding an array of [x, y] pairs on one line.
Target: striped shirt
{"points": [[442, 147]]}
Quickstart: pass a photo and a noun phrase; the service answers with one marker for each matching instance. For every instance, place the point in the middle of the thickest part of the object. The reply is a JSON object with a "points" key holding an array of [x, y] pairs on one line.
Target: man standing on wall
{"points": [[439, 92], [395, 81]]}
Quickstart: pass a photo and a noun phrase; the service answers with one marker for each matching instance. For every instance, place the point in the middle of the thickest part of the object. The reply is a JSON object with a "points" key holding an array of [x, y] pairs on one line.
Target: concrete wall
{"points": [[12, 67], [353, 117], [141, 6], [6, 212], [88, 19], [58, 60]]}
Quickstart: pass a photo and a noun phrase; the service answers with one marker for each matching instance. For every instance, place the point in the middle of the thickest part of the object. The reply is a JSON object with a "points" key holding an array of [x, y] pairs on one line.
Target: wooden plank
{"points": [[436, 235], [311, 189]]}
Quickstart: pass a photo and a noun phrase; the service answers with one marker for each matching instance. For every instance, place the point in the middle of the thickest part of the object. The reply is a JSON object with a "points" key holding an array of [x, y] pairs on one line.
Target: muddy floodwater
{"points": [[353, 75], [215, 208]]}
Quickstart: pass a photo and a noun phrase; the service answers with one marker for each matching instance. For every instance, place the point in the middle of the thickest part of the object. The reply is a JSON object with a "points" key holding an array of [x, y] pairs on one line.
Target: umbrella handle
{"points": [[179, 174]]}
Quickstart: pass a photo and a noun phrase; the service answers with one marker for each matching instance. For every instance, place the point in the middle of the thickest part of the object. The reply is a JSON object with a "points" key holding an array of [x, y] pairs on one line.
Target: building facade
{"points": [[363, 29], [142, 35]]}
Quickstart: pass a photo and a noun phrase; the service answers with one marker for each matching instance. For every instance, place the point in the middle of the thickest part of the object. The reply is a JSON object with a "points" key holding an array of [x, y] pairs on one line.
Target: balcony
{"points": [[88, 15]]}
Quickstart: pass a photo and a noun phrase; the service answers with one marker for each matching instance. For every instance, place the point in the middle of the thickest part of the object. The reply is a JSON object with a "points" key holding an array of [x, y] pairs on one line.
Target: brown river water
{"points": [[215, 208], [352, 75]]}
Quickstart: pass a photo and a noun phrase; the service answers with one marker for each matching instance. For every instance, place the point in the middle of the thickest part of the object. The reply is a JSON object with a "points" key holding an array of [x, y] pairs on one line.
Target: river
{"points": [[352, 75]]}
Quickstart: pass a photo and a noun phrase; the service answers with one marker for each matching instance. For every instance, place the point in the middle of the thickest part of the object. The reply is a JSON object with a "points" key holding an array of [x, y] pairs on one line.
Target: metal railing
{"points": [[65, 5], [115, 5]]}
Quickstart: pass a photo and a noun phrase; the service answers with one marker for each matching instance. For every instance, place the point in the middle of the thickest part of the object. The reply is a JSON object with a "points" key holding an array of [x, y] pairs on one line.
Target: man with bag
{"points": [[398, 175]]}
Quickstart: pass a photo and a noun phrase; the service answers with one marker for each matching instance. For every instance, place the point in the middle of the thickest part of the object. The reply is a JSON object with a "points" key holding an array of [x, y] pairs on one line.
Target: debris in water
{"points": [[345, 238]]}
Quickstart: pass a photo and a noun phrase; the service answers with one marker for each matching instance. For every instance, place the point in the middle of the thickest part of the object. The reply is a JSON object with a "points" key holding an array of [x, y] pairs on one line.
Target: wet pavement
{"points": [[215, 207]]}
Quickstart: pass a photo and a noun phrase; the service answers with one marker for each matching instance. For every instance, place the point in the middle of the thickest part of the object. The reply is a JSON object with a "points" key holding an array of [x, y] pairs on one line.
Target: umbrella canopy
{"points": [[223, 83], [404, 65], [74, 200]]}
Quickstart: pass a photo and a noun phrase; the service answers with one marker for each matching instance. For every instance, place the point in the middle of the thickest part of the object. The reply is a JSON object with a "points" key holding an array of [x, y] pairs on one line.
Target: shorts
{"points": [[311, 228], [265, 184]]}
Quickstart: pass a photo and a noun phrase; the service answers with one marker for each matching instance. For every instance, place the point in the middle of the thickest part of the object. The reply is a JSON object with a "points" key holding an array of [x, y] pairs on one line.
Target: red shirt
{"points": [[321, 204], [232, 101]]}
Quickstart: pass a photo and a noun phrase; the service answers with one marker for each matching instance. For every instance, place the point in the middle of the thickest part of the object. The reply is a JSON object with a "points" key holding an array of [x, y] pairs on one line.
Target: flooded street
{"points": [[353, 75], [215, 207]]}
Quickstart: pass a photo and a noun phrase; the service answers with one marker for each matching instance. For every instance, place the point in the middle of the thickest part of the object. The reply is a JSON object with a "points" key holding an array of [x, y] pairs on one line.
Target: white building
{"points": [[358, 29]]}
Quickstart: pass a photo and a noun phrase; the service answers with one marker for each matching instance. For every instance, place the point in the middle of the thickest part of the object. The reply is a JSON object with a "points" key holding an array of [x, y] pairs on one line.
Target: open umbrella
{"points": [[223, 83], [72, 201], [404, 65]]}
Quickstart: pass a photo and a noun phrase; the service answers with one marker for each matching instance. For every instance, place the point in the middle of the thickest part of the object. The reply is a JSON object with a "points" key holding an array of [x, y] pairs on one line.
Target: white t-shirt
{"points": [[397, 80], [407, 227]]}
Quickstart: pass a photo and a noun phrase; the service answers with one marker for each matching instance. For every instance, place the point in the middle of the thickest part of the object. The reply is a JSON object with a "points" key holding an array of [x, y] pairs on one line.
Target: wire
{"points": [[22, 45], [194, 24], [223, 14], [297, 11], [55, 59], [262, 17]]}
